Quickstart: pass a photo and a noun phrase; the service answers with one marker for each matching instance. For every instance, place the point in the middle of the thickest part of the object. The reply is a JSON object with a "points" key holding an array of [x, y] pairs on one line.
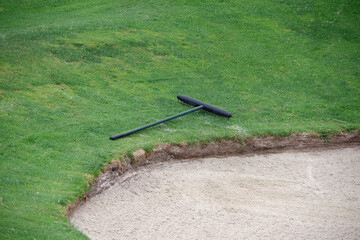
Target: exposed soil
{"points": [[227, 147], [295, 194]]}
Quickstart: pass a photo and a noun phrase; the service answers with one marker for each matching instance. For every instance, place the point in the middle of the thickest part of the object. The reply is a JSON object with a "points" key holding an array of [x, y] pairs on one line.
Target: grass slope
{"points": [[72, 73]]}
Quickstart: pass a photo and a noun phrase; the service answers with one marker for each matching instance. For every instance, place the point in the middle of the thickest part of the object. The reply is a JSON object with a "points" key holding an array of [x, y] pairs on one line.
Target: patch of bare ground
{"points": [[226, 147]]}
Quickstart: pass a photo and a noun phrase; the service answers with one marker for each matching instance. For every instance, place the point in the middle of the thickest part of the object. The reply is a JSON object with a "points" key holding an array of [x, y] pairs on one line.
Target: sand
{"points": [[313, 194]]}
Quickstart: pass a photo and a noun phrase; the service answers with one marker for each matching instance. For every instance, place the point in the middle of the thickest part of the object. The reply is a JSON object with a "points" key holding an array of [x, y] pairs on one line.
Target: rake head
{"points": [[207, 107]]}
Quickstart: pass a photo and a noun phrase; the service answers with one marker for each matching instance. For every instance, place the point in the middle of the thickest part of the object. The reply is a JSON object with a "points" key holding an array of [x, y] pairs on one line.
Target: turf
{"points": [[73, 73]]}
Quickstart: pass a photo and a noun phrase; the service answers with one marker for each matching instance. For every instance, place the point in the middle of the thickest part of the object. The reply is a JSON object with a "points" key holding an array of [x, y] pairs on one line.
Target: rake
{"points": [[198, 105]]}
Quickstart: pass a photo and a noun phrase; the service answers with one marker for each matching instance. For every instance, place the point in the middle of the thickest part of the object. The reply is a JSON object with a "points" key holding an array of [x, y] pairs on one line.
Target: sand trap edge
{"points": [[225, 147]]}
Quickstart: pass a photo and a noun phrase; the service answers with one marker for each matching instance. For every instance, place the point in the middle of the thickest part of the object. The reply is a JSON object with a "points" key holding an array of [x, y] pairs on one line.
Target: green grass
{"points": [[73, 73]]}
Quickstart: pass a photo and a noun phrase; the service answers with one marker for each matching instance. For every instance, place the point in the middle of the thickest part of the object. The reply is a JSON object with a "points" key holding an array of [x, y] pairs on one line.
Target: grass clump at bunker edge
{"points": [[73, 73]]}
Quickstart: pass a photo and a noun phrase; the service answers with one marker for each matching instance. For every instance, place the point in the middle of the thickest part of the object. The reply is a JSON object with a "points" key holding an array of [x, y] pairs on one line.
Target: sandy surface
{"points": [[292, 195]]}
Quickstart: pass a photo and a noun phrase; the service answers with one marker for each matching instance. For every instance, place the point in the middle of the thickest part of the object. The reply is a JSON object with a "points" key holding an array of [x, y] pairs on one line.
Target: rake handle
{"points": [[155, 123]]}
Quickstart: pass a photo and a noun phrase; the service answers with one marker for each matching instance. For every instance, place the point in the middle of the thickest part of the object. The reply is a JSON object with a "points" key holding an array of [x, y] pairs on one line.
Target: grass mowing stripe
{"points": [[73, 73]]}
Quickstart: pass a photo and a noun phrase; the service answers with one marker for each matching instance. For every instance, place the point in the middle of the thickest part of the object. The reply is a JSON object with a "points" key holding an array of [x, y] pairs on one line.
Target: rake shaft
{"points": [[156, 123]]}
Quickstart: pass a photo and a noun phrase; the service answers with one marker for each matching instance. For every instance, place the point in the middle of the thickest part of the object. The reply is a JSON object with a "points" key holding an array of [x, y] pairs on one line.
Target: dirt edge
{"points": [[226, 147]]}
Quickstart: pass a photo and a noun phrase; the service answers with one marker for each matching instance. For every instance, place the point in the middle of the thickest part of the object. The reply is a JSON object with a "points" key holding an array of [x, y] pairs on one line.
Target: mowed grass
{"points": [[73, 73]]}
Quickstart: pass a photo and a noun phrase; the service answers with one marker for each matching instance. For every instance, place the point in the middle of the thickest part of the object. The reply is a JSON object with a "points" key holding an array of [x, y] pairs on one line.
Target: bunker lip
{"points": [[225, 147]]}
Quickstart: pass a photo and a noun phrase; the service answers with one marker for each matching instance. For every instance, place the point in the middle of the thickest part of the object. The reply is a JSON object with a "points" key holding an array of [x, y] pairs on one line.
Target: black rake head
{"points": [[207, 107]]}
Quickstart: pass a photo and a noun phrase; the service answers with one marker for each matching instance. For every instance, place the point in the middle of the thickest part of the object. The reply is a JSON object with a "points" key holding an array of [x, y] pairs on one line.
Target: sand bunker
{"points": [[291, 195]]}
